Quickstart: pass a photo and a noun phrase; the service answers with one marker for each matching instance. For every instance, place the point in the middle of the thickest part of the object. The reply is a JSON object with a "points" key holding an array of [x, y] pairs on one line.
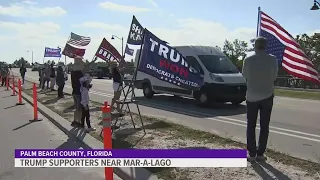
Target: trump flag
{"points": [[166, 63]]}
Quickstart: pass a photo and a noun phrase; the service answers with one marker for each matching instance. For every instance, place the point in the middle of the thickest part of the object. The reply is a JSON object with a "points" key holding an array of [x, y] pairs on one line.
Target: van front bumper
{"points": [[226, 92]]}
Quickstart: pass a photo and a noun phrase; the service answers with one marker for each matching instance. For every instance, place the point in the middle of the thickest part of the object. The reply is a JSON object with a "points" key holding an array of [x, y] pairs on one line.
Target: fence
{"points": [[295, 83]]}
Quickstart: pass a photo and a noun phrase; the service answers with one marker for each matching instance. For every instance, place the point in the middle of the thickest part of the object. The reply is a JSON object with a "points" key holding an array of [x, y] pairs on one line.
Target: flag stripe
{"points": [[294, 60], [301, 75], [282, 37], [299, 66], [268, 17], [297, 52]]}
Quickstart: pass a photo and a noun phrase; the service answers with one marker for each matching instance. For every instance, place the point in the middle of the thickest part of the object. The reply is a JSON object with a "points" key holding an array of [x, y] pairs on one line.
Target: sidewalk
{"points": [[17, 132]]}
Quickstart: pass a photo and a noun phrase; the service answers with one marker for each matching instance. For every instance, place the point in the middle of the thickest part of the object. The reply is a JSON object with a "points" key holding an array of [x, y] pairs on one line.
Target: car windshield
{"points": [[218, 64]]}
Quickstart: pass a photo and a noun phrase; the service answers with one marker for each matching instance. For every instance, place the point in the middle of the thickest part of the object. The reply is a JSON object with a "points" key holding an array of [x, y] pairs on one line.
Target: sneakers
{"points": [[258, 158], [261, 158], [251, 158], [90, 129]]}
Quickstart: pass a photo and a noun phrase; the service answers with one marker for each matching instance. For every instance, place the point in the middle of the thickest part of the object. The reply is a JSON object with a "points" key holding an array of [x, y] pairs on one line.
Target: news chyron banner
{"points": [[52, 52], [108, 52], [166, 63], [134, 39], [131, 158]]}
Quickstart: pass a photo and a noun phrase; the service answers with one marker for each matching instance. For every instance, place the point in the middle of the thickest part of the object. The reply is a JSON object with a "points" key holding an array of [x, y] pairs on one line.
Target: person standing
{"points": [[4, 75], [117, 87], [23, 71], [60, 80], [260, 71], [52, 77], [40, 71], [46, 77], [76, 74], [85, 99]]}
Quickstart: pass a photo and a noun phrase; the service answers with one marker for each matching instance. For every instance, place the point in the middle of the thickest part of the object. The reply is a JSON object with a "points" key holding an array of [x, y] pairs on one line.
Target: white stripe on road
{"points": [[273, 129]]}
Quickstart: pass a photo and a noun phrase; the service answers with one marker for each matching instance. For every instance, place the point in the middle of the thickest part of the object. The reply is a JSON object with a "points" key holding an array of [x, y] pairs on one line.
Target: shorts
{"points": [[116, 86]]}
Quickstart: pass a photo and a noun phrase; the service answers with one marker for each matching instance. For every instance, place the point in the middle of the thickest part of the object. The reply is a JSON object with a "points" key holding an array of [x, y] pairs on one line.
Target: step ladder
{"points": [[129, 98]]}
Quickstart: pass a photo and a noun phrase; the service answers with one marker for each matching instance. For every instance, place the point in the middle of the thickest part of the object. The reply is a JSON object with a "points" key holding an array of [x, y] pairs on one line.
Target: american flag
{"points": [[78, 40], [288, 52]]}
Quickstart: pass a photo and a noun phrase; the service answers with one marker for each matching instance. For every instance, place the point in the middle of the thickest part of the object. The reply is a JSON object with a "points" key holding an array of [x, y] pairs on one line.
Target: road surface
{"points": [[294, 128], [17, 133]]}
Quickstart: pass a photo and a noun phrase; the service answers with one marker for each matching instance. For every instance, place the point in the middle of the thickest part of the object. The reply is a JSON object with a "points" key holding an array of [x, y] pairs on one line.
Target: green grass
{"points": [[298, 94]]}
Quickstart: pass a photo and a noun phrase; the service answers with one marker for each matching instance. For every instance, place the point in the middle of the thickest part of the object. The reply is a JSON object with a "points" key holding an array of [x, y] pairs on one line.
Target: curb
{"points": [[89, 142]]}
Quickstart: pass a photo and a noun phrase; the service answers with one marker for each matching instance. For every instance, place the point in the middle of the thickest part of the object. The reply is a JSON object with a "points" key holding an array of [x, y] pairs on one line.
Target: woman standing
{"points": [[60, 80], [117, 86]]}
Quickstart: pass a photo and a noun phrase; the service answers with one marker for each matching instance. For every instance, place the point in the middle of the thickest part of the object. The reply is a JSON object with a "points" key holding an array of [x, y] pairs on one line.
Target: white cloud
{"points": [[188, 32], [153, 3], [18, 38], [29, 2], [27, 9], [122, 8], [36, 36]]}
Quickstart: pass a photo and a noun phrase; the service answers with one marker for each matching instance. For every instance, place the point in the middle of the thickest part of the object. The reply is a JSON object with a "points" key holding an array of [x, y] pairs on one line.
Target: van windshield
{"points": [[218, 64]]}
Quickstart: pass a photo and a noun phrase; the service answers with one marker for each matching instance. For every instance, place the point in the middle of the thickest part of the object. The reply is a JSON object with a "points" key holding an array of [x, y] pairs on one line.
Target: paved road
{"points": [[294, 129], [17, 133]]}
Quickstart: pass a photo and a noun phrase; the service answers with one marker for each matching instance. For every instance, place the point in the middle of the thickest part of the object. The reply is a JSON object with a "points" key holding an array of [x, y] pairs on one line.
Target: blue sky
{"points": [[205, 22]]}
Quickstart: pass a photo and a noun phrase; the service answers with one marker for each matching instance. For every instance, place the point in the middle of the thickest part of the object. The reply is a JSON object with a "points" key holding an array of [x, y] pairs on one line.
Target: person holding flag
{"points": [[274, 47], [260, 71]]}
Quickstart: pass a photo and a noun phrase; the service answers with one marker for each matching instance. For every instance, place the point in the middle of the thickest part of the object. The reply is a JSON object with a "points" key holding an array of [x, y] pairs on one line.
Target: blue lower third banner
{"points": [[131, 158], [166, 63]]}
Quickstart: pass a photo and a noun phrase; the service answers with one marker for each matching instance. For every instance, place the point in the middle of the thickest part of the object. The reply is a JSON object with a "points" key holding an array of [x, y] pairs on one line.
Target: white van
{"points": [[223, 81]]}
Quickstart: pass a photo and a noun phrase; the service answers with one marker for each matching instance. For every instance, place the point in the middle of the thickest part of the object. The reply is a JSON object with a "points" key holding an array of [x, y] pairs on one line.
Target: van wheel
{"points": [[203, 99], [147, 91], [236, 102]]}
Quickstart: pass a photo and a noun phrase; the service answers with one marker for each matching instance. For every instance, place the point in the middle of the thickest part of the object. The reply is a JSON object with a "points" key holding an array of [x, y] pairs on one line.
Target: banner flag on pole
{"points": [[72, 51], [134, 39], [108, 52], [78, 40], [170, 67], [52, 52]]}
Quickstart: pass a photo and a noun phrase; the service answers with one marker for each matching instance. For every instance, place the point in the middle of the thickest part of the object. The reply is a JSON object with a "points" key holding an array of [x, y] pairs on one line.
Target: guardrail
{"points": [[296, 84], [298, 89]]}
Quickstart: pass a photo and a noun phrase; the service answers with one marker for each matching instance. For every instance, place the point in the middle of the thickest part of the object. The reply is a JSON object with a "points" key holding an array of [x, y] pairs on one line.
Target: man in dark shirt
{"points": [[76, 74], [23, 71], [75, 82], [52, 77]]}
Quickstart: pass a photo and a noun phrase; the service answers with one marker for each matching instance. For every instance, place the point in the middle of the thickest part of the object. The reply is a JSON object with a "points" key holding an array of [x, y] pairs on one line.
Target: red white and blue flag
{"points": [[288, 52]]}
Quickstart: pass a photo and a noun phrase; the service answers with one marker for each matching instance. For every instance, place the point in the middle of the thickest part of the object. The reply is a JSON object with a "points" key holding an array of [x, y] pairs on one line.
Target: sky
{"points": [[30, 26]]}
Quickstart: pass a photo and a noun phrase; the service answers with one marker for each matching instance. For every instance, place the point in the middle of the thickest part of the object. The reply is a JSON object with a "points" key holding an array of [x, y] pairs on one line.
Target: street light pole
{"points": [[31, 55], [65, 57], [114, 36]]}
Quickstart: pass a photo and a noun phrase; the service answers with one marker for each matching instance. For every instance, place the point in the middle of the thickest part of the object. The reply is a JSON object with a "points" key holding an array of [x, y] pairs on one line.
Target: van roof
{"points": [[203, 50]]}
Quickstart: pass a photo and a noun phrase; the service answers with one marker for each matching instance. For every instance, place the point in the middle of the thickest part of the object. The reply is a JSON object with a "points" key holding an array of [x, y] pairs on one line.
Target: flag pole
{"points": [[65, 57], [259, 20], [44, 55]]}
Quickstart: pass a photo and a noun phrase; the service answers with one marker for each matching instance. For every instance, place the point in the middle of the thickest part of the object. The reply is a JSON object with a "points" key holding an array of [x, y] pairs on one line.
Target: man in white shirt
{"points": [[260, 71]]}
